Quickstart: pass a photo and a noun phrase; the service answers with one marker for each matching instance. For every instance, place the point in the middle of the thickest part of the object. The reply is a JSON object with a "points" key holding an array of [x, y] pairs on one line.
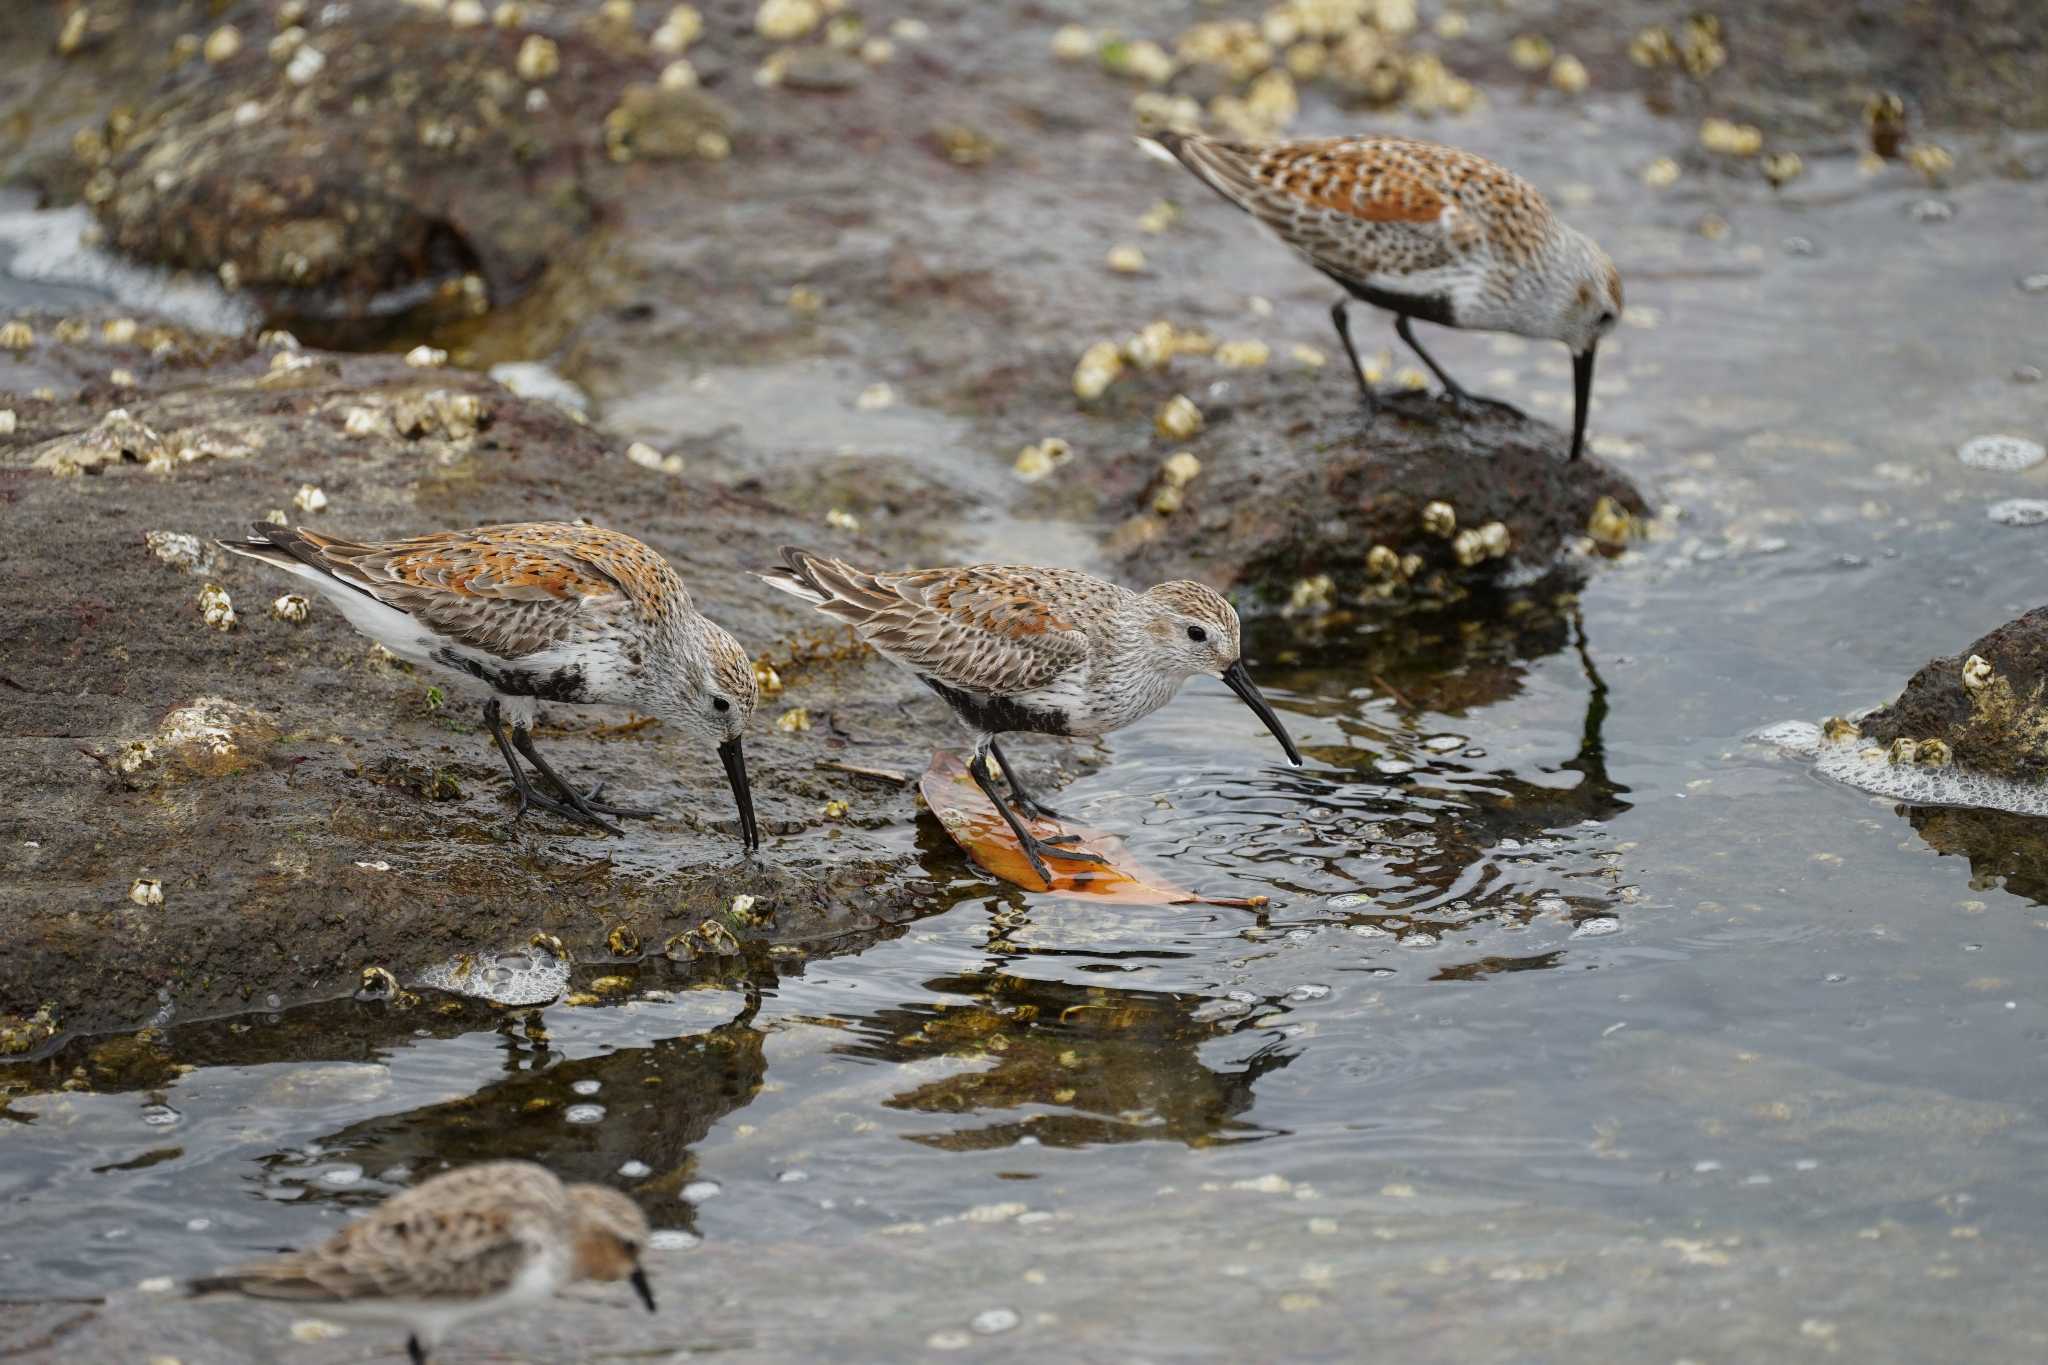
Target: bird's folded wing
{"points": [[505, 595], [458, 1258], [1303, 189], [974, 629]]}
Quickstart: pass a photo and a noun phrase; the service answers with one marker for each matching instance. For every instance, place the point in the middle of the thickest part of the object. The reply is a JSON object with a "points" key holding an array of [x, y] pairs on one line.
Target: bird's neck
{"points": [[1129, 681]]}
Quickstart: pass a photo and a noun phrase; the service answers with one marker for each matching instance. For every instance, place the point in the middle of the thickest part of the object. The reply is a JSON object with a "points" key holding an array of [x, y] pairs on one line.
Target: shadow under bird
{"points": [[1014, 647], [533, 612], [468, 1243], [1426, 232]]}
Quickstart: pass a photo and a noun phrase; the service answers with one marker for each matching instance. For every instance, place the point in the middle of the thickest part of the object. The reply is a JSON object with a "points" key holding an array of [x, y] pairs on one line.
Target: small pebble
{"points": [[995, 1320]]}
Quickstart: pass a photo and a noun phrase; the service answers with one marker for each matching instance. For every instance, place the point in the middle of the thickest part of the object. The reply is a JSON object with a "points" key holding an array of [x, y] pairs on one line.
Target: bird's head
{"points": [[715, 711], [608, 1235]]}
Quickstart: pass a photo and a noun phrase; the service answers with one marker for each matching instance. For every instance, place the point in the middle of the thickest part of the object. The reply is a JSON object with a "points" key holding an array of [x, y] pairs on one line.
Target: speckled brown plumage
{"points": [[538, 611], [1021, 647], [1425, 231], [468, 1243]]}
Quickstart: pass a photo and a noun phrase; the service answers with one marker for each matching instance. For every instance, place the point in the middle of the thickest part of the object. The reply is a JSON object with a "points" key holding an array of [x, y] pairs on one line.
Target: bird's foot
{"points": [[591, 802], [574, 809], [1038, 850], [1472, 402]]}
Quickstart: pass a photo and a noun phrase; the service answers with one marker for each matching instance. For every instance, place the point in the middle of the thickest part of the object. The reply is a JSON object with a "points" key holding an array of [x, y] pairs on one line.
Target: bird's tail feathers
{"points": [[794, 577]]}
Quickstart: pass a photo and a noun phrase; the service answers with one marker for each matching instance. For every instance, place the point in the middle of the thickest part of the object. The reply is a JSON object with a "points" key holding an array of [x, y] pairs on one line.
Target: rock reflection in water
{"points": [[658, 1101], [1427, 824], [1094, 1064]]}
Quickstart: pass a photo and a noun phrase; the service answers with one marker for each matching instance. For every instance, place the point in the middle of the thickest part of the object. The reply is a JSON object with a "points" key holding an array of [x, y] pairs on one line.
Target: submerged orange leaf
{"points": [[982, 834]]}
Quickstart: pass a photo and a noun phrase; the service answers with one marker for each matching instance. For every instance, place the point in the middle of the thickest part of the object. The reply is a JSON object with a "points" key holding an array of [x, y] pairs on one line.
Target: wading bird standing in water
{"points": [[469, 1243], [539, 611], [1021, 648], [1424, 231]]}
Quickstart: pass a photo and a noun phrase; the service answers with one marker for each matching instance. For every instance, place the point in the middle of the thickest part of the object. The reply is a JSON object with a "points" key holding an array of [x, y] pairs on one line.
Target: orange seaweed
{"points": [[982, 834]]}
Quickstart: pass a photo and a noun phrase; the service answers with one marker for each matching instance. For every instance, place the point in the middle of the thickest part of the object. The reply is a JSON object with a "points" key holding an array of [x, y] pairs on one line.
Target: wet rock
{"points": [[1987, 704], [1420, 500], [392, 154], [311, 807]]}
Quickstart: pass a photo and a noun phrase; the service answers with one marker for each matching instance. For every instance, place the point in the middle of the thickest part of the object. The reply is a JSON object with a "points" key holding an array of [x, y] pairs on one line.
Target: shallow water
{"points": [[1571, 1008]]}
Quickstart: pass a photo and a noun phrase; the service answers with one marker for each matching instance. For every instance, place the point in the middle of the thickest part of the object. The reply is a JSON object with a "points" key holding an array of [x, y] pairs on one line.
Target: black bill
{"points": [[736, 773], [1582, 395], [638, 1279], [1240, 682]]}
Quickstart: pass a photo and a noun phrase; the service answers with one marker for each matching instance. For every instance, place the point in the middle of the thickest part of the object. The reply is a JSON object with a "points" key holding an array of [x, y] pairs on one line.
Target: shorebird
{"points": [[468, 1243], [1019, 648], [1423, 231], [539, 611]]}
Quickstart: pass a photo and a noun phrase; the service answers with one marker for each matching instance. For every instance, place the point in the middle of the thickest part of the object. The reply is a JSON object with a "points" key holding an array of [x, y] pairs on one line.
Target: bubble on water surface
{"points": [[672, 1239], [2018, 512], [340, 1176], [160, 1115], [697, 1191], [1309, 991], [516, 978], [586, 1087], [1598, 927], [636, 1170], [2004, 454], [1393, 767], [583, 1113], [1800, 738]]}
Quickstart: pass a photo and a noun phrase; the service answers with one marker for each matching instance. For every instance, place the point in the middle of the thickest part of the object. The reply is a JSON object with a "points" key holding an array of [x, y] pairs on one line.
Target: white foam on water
{"points": [[2018, 512], [515, 978], [49, 246], [1920, 785], [1799, 738], [1861, 764], [2005, 454]]}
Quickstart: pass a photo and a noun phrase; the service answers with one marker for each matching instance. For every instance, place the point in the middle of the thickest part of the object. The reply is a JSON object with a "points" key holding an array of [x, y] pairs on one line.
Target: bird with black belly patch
{"points": [[1427, 232], [1018, 647], [534, 612]]}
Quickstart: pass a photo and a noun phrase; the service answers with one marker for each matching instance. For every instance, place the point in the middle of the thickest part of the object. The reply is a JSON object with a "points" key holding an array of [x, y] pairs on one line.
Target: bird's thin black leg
{"points": [[1339, 316], [575, 805], [1451, 386], [412, 1344], [586, 801], [1022, 798], [1035, 848], [528, 797]]}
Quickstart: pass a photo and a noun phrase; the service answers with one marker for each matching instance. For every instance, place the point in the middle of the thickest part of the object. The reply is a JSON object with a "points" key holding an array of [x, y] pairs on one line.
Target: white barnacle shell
{"points": [[146, 891], [1977, 673], [216, 608], [1439, 519]]}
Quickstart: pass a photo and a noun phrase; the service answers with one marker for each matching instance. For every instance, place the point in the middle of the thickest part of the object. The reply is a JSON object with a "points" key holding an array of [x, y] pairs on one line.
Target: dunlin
{"points": [[1423, 231], [533, 612], [466, 1244], [1021, 648]]}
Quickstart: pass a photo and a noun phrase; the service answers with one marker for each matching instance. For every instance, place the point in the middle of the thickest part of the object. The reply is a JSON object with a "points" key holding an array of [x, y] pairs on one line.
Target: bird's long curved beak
{"points": [[1240, 682], [638, 1279], [735, 760], [1582, 395]]}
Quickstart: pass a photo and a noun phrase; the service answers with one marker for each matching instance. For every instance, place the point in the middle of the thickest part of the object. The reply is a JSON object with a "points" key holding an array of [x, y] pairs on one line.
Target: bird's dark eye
{"points": [[720, 704], [1607, 318], [1197, 634]]}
